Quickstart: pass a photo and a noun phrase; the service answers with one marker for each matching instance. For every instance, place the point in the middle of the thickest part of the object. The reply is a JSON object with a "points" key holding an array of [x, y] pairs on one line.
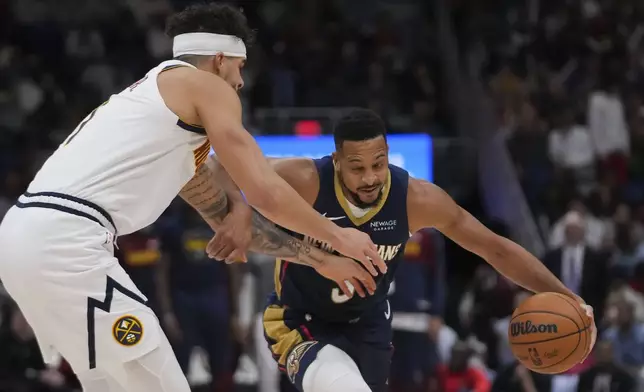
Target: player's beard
{"points": [[355, 197]]}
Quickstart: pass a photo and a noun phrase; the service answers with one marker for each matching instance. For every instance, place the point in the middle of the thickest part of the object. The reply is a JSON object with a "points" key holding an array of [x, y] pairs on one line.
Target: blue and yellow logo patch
{"points": [[128, 331]]}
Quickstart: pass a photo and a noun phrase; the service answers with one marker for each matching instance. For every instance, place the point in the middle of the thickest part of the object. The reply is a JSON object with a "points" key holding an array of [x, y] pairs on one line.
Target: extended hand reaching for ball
{"points": [[591, 325]]}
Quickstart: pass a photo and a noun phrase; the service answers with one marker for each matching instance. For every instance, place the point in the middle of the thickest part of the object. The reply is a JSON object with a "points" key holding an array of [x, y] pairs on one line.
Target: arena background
{"points": [[528, 112]]}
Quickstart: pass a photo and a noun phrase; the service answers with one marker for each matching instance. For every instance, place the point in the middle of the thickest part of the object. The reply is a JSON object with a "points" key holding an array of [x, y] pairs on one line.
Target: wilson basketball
{"points": [[549, 333]]}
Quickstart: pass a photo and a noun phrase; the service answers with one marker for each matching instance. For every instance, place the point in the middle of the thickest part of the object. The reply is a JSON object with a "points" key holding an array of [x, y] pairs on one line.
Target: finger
{"points": [[593, 331], [224, 252], [366, 262], [237, 256], [589, 310], [377, 260], [358, 287], [214, 246], [345, 289], [367, 281]]}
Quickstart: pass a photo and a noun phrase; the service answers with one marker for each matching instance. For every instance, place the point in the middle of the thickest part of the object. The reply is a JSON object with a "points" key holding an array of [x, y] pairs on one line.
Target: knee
{"points": [[333, 370]]}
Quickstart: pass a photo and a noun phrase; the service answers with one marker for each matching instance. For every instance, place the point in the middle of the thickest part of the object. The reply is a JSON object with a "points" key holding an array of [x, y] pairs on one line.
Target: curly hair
{"points": [[211, 18]]}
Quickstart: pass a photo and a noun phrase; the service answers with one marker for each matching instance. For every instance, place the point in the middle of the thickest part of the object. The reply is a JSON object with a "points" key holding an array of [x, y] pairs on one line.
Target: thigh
{"points": [[157, 370], [373, 349], [374, 363], [283, 330], [119, 324], [71, 287]]}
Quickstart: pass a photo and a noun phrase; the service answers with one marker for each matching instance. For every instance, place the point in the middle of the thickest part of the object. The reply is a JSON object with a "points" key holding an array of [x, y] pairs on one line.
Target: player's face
{"points": [[230, 69], [363, 168]]}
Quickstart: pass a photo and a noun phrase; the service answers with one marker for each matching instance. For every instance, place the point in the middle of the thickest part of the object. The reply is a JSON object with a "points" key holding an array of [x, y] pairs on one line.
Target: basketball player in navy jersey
{"points": [[324, 339]]}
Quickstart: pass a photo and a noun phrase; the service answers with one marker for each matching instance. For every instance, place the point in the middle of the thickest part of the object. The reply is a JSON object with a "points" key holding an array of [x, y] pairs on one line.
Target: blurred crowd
{"points": [[566, 79]]}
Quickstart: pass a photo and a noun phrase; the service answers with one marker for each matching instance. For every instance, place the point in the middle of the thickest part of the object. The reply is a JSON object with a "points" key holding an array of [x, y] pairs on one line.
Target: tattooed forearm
{"points": [[270, 240], [204, 194]]}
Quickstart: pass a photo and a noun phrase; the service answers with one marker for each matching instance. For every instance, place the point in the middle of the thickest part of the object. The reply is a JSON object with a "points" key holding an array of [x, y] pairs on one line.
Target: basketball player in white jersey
{"points": [[116, 173]]}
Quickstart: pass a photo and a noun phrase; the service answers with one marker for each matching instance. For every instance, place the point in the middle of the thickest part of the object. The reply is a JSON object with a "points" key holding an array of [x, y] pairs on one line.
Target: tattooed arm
{"points": [[205, 195]]}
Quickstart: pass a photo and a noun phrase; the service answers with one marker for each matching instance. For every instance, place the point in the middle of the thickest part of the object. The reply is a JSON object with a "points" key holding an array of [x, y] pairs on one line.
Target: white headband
{"points": [[208, 44]]}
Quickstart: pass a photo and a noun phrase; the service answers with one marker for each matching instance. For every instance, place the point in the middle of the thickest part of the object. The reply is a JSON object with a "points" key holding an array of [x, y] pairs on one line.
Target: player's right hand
{"points": [[345, 271], [358, 245]]}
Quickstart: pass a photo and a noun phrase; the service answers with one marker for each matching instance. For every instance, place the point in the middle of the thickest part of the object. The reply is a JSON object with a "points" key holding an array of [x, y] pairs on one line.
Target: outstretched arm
{"points": [[430, 206], [204, 194], [219, 110], [198, 97]]}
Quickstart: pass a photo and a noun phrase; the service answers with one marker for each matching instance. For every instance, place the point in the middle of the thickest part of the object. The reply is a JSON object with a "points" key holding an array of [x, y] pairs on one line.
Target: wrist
{"points": [[334, 235]]}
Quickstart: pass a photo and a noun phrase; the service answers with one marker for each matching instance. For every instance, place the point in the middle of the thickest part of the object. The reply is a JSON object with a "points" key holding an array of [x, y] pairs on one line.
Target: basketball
{"points": [[549, 333]]}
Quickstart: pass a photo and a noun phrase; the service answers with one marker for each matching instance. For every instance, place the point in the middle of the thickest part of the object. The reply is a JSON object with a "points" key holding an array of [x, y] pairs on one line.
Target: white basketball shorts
{"points": [[57, 263]]}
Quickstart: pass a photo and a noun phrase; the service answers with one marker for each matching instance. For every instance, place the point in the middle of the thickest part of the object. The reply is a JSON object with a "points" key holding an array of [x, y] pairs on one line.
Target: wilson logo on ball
{"points": [[527, 328]]}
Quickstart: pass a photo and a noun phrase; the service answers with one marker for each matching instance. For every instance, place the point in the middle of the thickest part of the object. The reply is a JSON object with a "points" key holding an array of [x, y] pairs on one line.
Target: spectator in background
{"points": [[417, 299], [458, 375], [579, 267], [595, 230], [626, 336], [490, 297], [605, 375], [198, 297], [528, 147], [139, 254], [571, 150], [21, 365], [627, 235], [608, 128], [516, 378], [501, 327]]}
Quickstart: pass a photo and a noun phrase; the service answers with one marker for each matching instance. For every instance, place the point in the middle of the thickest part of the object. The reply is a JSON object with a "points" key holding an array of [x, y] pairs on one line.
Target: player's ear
{"points": [[336, 165], [218, 62]]}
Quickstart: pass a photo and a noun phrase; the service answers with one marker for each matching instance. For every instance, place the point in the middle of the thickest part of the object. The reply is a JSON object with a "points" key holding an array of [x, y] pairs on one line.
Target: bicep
{"points": [[430, 206], [300, 173]]}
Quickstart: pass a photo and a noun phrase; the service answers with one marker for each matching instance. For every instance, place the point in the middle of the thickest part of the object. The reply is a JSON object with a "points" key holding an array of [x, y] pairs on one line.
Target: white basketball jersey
{"points": [[131, 155]]}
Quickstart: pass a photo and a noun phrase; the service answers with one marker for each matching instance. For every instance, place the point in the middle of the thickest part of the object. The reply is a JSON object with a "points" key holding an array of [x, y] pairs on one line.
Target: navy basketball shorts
{"points": [[366, 340]]}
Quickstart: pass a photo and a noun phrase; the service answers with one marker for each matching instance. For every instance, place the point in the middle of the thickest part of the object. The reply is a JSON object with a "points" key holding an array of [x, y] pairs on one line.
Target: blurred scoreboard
{"points": [[412, 152]]}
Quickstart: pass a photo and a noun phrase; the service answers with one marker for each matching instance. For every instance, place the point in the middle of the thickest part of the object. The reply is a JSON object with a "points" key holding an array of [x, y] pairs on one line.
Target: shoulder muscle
{"points": [[430, 206], [301, 174], [187, 91]]}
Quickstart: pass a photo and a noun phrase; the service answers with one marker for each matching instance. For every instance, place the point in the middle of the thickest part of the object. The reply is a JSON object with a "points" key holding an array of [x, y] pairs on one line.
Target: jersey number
{"points": [[82, 125], [339, 297]]}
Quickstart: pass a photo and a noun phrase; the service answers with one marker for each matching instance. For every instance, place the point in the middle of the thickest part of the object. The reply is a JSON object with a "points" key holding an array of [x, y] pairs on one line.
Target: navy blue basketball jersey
{"points": [[302, 288]]}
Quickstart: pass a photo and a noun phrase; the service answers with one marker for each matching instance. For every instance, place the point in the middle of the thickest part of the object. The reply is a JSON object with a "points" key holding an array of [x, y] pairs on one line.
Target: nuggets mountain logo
{"points": [[127, 330], [527, 328]]}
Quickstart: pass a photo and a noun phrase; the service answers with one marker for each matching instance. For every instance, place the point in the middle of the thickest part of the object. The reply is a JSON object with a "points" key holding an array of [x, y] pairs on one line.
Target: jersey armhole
{"points": [[198, 129]]}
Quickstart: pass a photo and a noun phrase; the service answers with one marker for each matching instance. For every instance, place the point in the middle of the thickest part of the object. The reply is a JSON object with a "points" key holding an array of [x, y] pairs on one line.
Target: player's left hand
{"points": [[348, 275], [233, 236], [593, 328], [591, 323]]}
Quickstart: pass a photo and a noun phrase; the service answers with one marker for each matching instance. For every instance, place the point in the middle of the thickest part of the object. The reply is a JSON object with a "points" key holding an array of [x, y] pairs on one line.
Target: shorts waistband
{"points": [[68, 204]]}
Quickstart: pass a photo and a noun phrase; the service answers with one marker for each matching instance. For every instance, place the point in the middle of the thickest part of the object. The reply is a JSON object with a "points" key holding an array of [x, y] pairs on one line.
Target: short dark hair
{"points": [[358, 125], [213, 18]]}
